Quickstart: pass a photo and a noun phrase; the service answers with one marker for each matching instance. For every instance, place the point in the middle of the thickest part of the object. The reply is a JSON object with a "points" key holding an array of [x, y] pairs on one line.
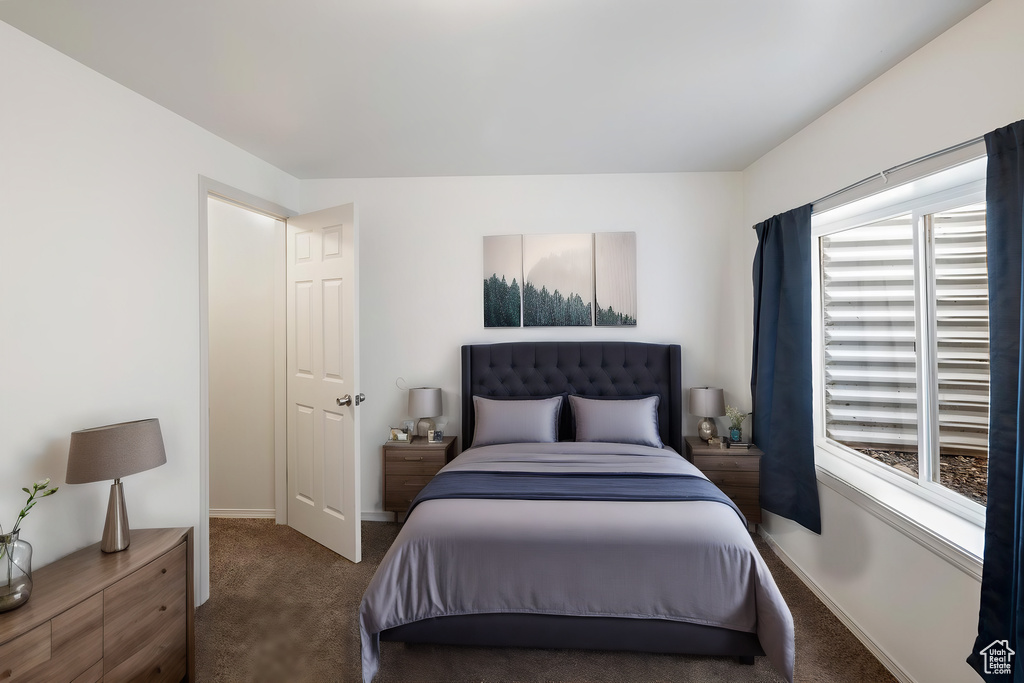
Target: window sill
{"points": [[959, 541]]}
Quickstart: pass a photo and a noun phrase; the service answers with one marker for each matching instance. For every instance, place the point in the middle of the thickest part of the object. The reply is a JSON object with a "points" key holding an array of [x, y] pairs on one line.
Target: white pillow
{"points": [[633, 420], [515, 420]]}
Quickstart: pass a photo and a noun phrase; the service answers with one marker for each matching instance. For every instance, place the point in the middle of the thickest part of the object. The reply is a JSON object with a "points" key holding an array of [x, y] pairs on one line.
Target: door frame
{"points": [[212, 188]]}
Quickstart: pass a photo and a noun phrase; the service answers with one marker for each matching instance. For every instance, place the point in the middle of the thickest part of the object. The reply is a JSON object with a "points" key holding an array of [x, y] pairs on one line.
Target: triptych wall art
{"points": [[560, 280]]}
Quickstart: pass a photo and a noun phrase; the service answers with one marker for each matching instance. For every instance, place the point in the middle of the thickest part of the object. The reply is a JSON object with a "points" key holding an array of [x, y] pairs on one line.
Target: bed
{"points": [[534, 538]]}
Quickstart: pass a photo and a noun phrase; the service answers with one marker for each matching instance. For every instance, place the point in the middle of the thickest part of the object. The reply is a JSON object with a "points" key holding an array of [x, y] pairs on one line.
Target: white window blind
{"points": [[870, 363]]}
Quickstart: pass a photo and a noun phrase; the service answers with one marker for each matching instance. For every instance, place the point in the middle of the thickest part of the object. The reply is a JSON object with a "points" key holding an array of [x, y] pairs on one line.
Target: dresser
{"points": [[737, 471], [93, 616], [409, 466]]}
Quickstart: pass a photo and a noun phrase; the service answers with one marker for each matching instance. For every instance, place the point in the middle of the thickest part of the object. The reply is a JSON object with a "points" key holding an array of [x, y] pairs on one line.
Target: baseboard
{"points": [[848, 621], [372, 516], [244, 514]]}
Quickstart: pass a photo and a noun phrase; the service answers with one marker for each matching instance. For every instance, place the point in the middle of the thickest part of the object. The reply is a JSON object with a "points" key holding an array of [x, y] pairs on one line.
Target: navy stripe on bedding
{"points": [[624, 486]]}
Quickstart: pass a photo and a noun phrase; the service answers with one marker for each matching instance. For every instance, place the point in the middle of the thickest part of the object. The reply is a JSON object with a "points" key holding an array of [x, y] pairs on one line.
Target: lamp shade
{"points": [[424, 402], [115, 451], [707, 402]]}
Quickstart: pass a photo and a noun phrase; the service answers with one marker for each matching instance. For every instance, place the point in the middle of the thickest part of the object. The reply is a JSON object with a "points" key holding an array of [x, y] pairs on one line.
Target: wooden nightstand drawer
{"points": [[750, 463], [413, 462], [406, 485], [408, 467], [737, 472], [729, 479], [744, 497], [399, 500]]}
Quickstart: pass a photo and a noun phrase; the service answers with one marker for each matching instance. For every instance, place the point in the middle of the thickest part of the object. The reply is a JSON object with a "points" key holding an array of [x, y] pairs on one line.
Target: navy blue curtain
{"points": [[780, 381], [1000, 622]]}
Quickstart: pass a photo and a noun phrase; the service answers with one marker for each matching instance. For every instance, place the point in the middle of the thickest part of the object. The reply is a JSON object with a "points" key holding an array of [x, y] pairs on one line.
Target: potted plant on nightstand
{"points": [[736, 417]]}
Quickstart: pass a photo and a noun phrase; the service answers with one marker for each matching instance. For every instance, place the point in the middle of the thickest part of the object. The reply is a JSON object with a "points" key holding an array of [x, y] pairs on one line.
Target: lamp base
{"points": [[426, 424], [706, 429], [116, 536]]}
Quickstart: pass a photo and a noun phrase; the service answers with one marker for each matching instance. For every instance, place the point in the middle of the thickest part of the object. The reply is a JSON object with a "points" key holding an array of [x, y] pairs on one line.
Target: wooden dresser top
{"points": [[66, 582]]}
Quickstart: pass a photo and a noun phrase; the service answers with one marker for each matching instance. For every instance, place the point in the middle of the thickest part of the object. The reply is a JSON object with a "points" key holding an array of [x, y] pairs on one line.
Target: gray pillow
{"points": [[519, 421], [632, 421]]}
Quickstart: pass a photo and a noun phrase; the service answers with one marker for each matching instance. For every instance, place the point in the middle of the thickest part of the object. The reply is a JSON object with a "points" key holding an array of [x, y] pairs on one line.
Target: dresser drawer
{"points": [[76, 643], [93, 674], [162, 659], [706, 463], [20, 656], [142, 611]]}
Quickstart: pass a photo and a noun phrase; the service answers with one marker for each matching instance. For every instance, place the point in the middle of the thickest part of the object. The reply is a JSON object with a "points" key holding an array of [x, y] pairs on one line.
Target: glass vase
{"points": [[15, 571]]}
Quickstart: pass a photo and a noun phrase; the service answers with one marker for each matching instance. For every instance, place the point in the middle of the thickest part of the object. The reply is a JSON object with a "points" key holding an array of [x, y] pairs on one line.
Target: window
{"points": [[902, 336]]}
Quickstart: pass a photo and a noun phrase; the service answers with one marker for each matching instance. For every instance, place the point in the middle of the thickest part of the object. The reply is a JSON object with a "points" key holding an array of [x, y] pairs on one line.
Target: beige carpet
{"points": [[283, 608]]}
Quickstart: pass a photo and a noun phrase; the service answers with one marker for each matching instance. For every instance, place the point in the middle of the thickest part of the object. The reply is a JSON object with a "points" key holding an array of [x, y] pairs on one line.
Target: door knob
{"points": [[345, 400], [360, 398]]}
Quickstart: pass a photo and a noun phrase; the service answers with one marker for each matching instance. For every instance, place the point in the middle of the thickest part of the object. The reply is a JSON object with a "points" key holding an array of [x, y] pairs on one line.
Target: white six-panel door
{"points": [[323, 470]]}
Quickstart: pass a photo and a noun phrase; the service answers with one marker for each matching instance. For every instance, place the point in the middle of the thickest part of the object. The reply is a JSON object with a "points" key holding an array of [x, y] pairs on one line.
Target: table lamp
{"points": [[424, 404], [112, 452], [708, 403]]}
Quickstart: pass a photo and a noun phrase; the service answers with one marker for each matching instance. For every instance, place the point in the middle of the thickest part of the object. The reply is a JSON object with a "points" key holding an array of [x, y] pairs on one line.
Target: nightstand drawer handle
{"points": [[414, 457]]}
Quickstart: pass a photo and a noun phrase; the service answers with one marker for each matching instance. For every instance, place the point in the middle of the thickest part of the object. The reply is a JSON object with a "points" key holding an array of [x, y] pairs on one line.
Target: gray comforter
{"points": [[689, 561]]}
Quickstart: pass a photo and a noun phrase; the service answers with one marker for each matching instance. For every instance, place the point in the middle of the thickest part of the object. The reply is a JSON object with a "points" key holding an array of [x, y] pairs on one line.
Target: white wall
{"points": [[421, 273], [243, 249], [956, 88], [99, 286]]}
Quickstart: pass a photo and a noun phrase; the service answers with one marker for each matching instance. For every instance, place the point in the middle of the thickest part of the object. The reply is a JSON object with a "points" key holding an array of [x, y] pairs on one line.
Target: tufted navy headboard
{"points": [[597, 368]]}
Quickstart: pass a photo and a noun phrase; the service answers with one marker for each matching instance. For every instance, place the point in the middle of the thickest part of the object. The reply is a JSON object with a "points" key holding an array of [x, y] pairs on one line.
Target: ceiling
{"points": [[379, 88]]}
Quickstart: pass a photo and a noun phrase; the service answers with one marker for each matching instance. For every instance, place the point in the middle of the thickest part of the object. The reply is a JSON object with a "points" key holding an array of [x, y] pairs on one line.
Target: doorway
{"points": [[246, 316], [209, 191], [334, 493]]}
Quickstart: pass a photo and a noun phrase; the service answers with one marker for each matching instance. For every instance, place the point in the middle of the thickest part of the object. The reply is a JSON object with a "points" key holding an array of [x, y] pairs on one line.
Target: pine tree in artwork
{"points": [[608, 316], [553, 309], [513, 305], [501, 302]]}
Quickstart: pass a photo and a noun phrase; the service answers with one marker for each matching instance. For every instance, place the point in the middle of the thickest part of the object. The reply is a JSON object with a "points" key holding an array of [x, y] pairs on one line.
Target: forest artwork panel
{"points": [[503, 277], [558, 271], [615, 278], [560, 280]]}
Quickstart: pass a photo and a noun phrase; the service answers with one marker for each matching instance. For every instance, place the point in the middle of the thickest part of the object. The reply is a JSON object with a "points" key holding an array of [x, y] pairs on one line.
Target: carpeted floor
{"points": [[283, 608]]}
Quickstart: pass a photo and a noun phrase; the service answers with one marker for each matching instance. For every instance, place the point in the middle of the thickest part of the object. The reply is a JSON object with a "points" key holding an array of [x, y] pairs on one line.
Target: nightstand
{"points": [[736, 471], [409, 466]]}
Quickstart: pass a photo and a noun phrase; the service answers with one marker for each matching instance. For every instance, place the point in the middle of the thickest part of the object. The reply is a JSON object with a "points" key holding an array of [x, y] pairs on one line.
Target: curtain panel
{"points": [[999, 647], [780, 378]]}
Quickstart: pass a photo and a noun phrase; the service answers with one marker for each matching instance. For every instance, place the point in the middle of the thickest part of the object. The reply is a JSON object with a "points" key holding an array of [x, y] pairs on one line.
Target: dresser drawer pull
{"points": [[163, 608], [163, 571], [414, 457]]}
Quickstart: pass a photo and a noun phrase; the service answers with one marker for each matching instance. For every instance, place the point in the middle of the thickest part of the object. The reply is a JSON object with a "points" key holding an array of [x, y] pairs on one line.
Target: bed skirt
{"points": [[586, 633]]}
